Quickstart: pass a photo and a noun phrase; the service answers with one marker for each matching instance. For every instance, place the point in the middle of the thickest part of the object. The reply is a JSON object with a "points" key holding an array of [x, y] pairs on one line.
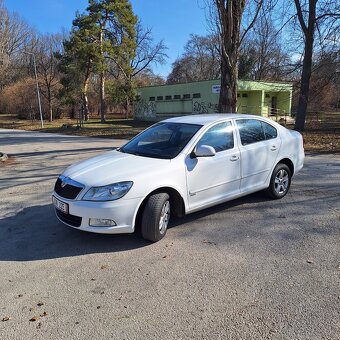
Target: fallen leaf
{"points": [[98, 307], [209, 242], [43, 314], [104, 266], [5, 318], [310, 261], [39, 325], [40, 304], [164, 257], [35, 318]]}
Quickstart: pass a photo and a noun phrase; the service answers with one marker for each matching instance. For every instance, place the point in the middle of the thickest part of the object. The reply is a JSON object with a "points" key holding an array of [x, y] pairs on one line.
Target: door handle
{"points": [[234, 158], [273, 148]]}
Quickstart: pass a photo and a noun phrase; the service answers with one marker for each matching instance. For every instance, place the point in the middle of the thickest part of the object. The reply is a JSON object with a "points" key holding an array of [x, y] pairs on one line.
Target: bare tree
{"points": [[49, 46], [15, 33], [226, 17], [147, 54], [320, 16], [200, 61], [147, 51], [265, 45]]}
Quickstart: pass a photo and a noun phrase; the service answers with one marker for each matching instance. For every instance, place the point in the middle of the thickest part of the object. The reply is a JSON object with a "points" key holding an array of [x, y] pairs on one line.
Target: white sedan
{"points": [[176, 167]]}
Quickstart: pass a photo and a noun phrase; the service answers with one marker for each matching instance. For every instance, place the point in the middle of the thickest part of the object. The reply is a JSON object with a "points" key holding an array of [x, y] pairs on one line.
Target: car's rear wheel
{"points": [[156, 217], [280, 181]]}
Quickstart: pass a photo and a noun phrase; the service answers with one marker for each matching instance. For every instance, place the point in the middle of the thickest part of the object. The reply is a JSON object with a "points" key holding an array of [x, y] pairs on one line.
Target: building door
{"points": [[274, 105]]}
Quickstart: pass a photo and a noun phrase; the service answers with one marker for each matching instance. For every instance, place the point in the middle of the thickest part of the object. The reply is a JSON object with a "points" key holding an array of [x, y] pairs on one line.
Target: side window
{"points": [[251, 131], [269, 131], [219, 136]]}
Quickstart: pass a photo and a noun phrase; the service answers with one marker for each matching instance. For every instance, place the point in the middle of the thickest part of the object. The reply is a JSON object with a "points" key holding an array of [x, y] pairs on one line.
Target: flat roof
{"points": [[212, 80]]}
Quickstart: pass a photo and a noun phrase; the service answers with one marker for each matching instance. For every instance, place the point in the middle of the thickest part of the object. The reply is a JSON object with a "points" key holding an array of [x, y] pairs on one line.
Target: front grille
{"points": [[68, 191], [72, 220]]}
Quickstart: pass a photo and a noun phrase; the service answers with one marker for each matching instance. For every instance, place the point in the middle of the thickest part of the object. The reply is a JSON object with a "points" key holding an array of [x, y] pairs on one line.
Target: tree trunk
{"points": [[102, 78], [85, 90], [85, 100], [228, 97], [102, 98], [50, 108], [304, 85], [308, 31]]}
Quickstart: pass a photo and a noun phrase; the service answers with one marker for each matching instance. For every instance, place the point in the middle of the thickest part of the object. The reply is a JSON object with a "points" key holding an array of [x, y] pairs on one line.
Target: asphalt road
{"points": [[249, 269]]}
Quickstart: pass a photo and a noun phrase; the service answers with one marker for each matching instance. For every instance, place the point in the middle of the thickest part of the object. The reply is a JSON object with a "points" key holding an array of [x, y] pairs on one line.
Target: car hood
{"points": [[112, 167]]}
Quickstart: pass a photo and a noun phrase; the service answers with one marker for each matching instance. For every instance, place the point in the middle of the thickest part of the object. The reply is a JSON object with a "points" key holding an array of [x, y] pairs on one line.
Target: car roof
{"points": [[204, 119]]}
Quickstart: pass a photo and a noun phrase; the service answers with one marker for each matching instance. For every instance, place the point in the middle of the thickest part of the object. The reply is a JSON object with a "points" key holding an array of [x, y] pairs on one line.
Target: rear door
{"points": [[259, 147]]}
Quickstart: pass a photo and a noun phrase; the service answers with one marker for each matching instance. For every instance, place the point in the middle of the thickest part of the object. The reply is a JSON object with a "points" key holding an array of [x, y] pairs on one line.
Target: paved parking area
{"points": [[249, 269]]}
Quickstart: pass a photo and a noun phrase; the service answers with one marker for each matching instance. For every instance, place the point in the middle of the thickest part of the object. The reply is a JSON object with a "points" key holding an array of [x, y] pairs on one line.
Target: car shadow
{"points": [[249, 199], [34, 233]]}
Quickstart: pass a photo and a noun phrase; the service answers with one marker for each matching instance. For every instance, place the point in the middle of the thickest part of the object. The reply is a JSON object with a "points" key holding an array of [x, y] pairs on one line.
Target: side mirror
{"points": [[204, 151]]}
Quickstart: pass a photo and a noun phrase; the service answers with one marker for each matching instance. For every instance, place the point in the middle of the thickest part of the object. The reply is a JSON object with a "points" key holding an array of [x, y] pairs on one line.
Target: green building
{"points": [[253, 97]]}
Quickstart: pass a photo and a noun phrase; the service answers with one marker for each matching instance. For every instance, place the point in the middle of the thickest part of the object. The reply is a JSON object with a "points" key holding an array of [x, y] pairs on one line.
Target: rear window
{"points": [[269, 131], [251, 131]]}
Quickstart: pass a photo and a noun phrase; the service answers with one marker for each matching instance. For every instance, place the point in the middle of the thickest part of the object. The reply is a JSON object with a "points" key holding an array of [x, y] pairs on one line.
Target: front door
{"points": [[212, 179]]}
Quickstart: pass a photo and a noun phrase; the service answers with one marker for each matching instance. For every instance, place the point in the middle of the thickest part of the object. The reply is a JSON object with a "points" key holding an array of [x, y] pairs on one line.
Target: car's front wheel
{"points": [[280, 181], [156, 217]]}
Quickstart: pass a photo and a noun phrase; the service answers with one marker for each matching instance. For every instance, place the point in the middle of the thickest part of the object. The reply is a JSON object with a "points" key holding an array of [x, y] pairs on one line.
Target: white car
{"points": [[176, 167]]}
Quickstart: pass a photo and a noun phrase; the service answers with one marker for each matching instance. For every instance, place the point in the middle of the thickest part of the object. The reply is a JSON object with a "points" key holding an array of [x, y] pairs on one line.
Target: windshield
{"points": [[163, 140]]}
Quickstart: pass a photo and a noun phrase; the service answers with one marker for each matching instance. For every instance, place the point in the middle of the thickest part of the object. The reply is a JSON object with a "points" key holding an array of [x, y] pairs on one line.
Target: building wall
{"points": [[159, 102]]}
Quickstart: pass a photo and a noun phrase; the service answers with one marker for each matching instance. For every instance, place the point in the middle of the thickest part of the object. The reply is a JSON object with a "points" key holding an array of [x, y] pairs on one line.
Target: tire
{"points": [[156, 216], [279, 182]]}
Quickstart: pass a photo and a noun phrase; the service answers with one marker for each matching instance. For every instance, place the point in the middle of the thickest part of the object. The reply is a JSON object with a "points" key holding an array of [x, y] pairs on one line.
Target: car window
{"points": [[163, 140], [219, 136], [251, 131], [269, 131]]}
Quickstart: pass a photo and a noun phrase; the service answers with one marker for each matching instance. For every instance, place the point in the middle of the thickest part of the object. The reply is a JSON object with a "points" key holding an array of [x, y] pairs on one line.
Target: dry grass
{"points": [[113, 128], [322, 133]]}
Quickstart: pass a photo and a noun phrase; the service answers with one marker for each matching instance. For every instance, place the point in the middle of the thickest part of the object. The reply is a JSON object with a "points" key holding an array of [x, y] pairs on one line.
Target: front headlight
{"points": [[109, 192]]}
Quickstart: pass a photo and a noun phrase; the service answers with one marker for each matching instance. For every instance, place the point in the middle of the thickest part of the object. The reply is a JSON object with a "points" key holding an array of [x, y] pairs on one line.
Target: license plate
{"points": [[60, 205]]}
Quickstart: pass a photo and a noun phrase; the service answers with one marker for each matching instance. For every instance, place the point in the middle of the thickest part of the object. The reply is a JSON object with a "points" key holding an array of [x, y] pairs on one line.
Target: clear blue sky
{"points": [[173, 21]]}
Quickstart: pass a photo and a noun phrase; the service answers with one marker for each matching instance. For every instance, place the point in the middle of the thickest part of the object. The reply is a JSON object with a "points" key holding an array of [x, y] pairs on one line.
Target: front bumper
{"points": [[123, 212]]}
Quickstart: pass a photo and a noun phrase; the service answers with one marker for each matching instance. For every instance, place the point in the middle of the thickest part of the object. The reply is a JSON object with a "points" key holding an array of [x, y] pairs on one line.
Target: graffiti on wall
{"points": [[203, 107], [143, 108]]}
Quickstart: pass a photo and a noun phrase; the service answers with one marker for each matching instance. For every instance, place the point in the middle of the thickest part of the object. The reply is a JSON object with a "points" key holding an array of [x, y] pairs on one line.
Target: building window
{"points": [[177, 96], [168, 97], [196, 95], [244, 95], [186, 96], [159, 97], [152, 99], [267, 95]]}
